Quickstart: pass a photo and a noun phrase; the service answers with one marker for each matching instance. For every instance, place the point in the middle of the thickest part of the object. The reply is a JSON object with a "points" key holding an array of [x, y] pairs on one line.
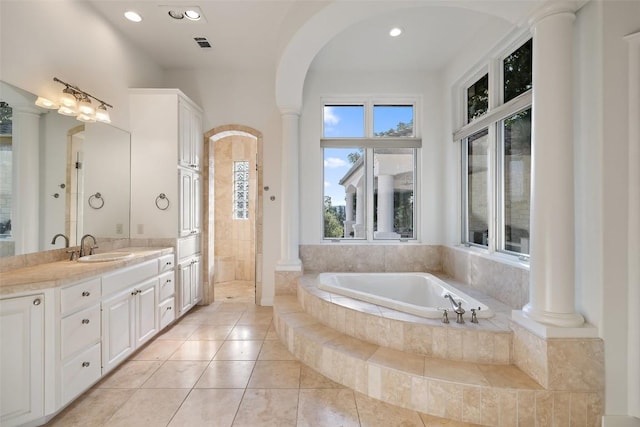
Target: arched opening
{"points": [[233, 213]]}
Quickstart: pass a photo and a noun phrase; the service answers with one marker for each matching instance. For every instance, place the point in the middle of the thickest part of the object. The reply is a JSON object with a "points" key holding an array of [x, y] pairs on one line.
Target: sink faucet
{"points": [[457, 308], [66, 239], [91, 248]]}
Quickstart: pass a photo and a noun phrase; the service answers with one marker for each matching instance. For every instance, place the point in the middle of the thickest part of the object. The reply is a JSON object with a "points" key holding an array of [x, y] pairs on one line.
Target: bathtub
{"points": [[421, 294]]}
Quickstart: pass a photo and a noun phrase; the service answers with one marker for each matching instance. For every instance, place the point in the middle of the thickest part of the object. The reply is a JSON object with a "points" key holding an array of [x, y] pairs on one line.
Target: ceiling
{"points": [[250, 34]]}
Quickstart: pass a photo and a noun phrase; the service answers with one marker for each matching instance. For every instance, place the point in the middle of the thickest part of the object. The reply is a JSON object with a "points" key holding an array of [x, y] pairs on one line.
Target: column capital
{"points": [[553, 7], [289, 110]]}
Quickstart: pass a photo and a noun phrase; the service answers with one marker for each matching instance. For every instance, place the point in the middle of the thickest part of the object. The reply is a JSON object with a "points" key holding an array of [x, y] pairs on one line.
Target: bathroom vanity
{"points": [[65, 324]]}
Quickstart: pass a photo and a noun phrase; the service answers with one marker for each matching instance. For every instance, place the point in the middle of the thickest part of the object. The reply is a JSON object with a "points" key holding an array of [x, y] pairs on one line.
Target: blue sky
{"points": [[347, 121]]}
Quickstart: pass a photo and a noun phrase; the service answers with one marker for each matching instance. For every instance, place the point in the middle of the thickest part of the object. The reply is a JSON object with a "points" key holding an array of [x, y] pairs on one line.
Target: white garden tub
{"points": [[421, 294]]}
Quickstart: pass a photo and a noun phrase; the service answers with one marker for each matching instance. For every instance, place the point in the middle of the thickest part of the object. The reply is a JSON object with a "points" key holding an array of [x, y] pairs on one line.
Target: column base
{"points": [[566, 326], [289, 265]]}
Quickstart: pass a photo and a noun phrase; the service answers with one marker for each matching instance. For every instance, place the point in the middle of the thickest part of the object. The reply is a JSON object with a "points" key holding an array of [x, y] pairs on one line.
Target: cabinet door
{"points": [[118, 329], [184, 134], [146, 311], [196, 280], [186, 296], [197, 142], [186, 202], [196, 203], [21, 359]]}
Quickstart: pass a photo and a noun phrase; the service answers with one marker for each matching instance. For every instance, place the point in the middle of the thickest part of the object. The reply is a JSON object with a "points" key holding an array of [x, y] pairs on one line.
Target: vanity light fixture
{"points": [[76, 102]]}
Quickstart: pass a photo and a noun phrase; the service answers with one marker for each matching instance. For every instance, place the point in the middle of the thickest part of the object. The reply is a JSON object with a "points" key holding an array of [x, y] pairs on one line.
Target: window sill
{"points": [[500, 257]]}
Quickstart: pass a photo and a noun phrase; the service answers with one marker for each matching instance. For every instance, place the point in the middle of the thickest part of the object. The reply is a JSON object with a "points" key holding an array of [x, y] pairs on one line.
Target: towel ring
{"points": [[96, 201], [162, 199]]}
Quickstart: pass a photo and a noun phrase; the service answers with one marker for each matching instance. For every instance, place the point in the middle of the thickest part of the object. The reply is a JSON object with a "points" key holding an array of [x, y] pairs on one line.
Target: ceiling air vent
{"points": [[202, 42]]}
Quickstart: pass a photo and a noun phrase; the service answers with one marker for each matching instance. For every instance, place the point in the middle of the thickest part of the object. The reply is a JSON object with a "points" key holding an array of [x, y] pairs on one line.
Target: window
{"points": [[241, 190], [369, 180], [496, 155]]}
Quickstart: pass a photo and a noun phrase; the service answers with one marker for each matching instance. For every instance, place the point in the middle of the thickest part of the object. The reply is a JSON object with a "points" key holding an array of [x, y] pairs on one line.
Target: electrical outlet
{"points": [[140, 228], [118, 228]]}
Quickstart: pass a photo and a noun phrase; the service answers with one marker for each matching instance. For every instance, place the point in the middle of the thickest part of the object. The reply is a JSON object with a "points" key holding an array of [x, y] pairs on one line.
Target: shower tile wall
{"points": [[234, 239]]}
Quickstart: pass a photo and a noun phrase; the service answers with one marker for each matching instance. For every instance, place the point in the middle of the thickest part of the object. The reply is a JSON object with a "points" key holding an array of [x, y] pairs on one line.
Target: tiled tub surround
{"points": [[506, 281], [430, 367]]}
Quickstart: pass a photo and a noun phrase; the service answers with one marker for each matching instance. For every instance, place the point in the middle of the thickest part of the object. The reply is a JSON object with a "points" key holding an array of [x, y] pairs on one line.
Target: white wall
{"points": [[402, 83], [244, 98], [67, 39], [619, 18]]}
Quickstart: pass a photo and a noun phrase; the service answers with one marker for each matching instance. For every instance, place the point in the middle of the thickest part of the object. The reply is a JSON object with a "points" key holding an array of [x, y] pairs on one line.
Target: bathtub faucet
{"points": [[457, 308]]}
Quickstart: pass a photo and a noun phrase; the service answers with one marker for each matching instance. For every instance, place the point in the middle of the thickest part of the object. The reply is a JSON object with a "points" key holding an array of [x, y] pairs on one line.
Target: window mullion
{"points": [[492, 190], [369, 184]]}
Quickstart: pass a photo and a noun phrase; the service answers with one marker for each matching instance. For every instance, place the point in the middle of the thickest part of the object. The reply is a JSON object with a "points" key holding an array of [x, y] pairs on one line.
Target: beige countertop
{"points": [[54, 274]]}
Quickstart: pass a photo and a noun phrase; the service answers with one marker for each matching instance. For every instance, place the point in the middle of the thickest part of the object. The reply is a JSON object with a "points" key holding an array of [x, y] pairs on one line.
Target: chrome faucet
{"points": [[66, 239], [457, 308], [91, 248]]}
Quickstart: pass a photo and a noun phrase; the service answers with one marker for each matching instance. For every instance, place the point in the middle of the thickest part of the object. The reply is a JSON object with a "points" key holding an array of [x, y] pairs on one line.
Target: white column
{"points": [[289, 198], [359, 227], [385, 208], [348, 214], [25, 221], [552, 277]]}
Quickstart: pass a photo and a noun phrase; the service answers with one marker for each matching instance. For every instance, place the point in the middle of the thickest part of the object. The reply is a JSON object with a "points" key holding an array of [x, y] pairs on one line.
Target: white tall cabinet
{"points": [[166, 180]]}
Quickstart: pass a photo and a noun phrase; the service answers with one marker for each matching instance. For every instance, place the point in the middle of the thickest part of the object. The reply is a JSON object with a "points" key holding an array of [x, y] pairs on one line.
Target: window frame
{"points": [[498, 111], [367, 144]]}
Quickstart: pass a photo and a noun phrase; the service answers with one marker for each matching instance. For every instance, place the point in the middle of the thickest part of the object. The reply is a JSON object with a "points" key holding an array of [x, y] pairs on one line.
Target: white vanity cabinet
{"points": [[22, 354], [80, 337], [190, 274], [190, 142], [190, 202], [130, 314]]}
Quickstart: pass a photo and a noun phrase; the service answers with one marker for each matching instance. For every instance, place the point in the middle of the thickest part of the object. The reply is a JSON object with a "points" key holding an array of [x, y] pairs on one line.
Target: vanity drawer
{"points": [[167, 285], [80, 294], [80, 373], [167, 311], [79, 330], [166, 263], [124, 278]]}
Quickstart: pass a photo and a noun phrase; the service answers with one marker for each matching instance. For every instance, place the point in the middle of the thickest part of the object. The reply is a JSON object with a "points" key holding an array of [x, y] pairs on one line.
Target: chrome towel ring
{"points": [[96, 201], [162, 202]]}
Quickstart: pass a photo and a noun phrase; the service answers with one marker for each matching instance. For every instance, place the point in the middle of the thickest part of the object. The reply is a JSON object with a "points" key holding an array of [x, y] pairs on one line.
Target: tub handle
{"points": [[474, 318], [445, 315]]}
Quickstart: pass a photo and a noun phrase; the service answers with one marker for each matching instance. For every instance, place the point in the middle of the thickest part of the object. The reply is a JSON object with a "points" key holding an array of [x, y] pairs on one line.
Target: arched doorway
{"points": [[233, 212]]}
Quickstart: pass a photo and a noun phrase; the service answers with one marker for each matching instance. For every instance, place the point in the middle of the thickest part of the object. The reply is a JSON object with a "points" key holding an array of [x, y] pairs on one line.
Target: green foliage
{"points": [[333, 220], [354, 156], [402, 129]]}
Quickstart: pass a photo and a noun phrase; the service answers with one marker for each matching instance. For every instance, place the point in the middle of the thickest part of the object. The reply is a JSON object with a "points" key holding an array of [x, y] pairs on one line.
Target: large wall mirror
{"points": [[58, 175]]}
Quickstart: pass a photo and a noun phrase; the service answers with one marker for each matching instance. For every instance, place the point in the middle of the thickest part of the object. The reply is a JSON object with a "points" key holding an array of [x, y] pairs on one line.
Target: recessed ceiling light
{"points": [[395, 32], [176, 14], [133, 16], [194, 15]]}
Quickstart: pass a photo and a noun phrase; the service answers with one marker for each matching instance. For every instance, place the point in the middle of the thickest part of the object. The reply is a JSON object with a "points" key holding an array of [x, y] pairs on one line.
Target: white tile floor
{"points": [[223, 365]]}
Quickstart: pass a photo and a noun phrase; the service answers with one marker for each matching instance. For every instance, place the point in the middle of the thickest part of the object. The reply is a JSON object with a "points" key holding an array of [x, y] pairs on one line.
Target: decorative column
{"points": [[25, 221], [289, 187], [385, 208], [348, 213], [552, 277], [359, 226]]}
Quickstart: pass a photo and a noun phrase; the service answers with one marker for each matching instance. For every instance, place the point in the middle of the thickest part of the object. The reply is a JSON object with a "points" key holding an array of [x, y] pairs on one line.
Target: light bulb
{"points": [[46, 103], [133, 16], [85, 107], [194, 15], [87, 118], [68, 98], [67, 111], [102, 115]]}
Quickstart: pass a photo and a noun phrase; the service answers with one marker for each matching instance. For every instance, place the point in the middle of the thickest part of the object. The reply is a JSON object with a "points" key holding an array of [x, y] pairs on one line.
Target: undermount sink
{"points": [[107, 256]]}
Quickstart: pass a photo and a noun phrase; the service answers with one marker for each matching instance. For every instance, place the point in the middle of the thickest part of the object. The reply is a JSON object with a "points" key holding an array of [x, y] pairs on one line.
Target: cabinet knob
{"points": [[169, 263], [169, 308], [37, 301], [135, 292], [85, 321], [85, 364], [86, 293]]}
